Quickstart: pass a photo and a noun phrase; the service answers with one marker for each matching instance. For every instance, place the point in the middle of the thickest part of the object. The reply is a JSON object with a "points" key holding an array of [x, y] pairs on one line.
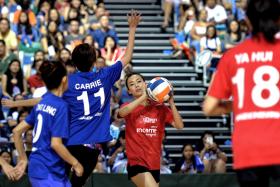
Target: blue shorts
{"points": [[49, 182]]}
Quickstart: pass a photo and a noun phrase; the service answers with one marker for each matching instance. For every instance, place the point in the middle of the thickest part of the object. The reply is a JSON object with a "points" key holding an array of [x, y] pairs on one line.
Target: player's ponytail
{"points": [[264, 16]]}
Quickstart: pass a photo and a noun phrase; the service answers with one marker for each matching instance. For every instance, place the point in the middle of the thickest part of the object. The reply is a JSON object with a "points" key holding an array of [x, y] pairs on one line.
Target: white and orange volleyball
{"points": [[159, 89]]}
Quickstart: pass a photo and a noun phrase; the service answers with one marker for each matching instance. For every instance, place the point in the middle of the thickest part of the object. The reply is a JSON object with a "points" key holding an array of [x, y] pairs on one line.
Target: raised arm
{"points": [[133, 20]]}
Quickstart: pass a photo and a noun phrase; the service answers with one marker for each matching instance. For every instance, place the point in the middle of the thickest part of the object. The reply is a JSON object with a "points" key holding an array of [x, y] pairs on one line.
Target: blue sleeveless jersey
{"points": [[88, 97], [49, 119]]}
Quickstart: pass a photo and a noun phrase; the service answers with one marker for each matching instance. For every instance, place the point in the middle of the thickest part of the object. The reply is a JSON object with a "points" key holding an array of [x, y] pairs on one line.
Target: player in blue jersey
{"points": [[50, 121], [88, 97]]}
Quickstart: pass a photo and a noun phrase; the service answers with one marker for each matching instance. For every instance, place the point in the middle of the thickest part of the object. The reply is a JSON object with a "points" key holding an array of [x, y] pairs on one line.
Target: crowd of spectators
{"points": [[34, 30], [215, 25]]}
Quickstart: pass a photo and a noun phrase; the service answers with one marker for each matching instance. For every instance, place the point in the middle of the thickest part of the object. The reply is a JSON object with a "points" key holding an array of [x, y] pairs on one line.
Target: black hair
{"points": [[193, 157], [208, 28], [238, 32], [58, 19], [264, 15], [6, 19], [115, 45], [70, 63], [24, 27], [8, 150], [51, 3], [131, 74], [200, 144], [19, 77], [52, 73], [3, 42], [84, 56]]}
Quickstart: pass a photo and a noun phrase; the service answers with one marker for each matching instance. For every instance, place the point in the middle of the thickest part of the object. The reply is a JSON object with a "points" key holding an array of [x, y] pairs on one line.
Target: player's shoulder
{"points": [[56, 101]]}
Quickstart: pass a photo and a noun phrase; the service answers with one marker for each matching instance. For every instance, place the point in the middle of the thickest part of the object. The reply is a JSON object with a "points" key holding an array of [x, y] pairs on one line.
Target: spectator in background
{"points": [[13, 81], [105, 30], [26, 34], [54, 39], [198, 30], [6, 156], [88, 39], [234, 35], [90, 8], [5, 58], [35, 81], [7, 169], [214, 159], [25, 6], [100, 11], [64, 55], [116, 125], [216, 15], [74, 4], [74, 38], [118, 160], [187, 164], [111, 51], [167, 9], [57, 18], [211, 41], [8, 35], [39, 55]]}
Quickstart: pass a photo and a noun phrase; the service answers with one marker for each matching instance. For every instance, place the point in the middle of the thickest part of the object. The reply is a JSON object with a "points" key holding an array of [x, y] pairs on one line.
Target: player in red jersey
{"points": [[145, 124], [250, 74]]}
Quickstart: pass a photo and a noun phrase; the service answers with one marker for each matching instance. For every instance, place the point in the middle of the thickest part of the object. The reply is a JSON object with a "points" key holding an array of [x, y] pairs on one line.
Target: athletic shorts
{"points": [[36, 182], [134, 170]]}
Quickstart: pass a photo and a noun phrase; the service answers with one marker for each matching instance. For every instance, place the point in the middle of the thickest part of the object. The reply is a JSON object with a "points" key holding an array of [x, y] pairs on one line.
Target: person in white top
{"points": [[216, 13]]}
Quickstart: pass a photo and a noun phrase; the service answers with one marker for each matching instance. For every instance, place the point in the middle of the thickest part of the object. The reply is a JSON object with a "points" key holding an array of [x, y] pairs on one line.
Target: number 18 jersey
{"points": [[88, 97], [250, 73]]}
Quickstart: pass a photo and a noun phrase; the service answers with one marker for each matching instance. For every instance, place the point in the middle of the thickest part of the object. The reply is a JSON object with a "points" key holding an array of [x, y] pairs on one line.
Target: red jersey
{"points": [[144, 134], [250, 73]]}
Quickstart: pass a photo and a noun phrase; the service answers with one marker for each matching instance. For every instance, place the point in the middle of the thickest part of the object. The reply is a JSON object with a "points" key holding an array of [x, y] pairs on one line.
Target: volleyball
{"points": [[159, 89]]}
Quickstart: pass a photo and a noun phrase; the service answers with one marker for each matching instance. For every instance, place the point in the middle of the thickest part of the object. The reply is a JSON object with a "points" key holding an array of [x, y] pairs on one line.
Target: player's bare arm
{"points": [[133, 20], [20, 103], [213, 106]]}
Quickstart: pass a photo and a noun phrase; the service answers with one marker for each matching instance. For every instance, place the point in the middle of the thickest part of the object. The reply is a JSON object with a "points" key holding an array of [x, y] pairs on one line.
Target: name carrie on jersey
{"points": [[90, 85]]}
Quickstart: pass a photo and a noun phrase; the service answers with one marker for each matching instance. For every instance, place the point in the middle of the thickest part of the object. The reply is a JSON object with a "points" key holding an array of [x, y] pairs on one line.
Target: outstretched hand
{"points": [[7, 103], [133, 18]]}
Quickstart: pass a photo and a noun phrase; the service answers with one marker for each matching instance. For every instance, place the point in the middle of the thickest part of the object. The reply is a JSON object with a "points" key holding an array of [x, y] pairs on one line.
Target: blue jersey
{"points": [[88, 97], [49, 119]]}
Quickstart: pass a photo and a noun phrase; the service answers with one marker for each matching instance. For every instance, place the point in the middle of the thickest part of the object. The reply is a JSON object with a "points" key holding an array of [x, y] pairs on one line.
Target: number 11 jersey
{"points": [[250, 73], [88, 97]]}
